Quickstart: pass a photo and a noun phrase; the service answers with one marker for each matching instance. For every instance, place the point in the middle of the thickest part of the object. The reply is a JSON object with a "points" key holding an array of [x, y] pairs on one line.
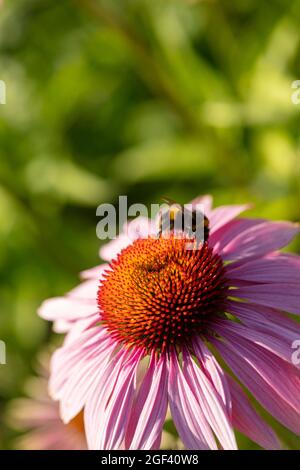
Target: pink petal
{"points": [[76, 389], [259, 239], [248, 422], [99, 396], [234, 332], [271, 380], [87, 290], [224, 214], [65, 360], [286, 379], [266, 319], [149, 410], [117, 412], [186, 411], [94, 273], [62, 326], [110, 250], [107, 410], [77, 327], [282, 268], [213, 372], [211, 404], [224, 235], [206, 201], [63, 308], [281, 296], [140, 227]]}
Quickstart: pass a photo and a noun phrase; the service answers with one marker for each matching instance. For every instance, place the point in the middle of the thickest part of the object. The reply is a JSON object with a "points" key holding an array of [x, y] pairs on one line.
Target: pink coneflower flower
{"points": [[146, 329], [37, 417]]}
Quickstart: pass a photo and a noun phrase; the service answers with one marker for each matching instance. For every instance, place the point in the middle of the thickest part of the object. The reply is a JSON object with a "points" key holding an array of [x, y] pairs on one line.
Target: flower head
{"points": [[157, 293], [143, 330]]}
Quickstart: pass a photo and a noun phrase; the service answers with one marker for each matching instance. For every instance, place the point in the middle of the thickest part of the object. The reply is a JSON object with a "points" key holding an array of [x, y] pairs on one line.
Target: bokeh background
{"points": [[138, 97]]}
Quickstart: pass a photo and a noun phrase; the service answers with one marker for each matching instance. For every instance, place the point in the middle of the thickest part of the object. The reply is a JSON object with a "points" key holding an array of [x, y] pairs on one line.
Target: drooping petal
{"points": [[117, 412], [74, 326], [271, 380], [213, 372], [76, 389], [77, 327], [150, 407], [210, 402], [186, 411], [246, 420], [108, 408], [269, 321], [234, 332], [99, 396], [65, 360]]}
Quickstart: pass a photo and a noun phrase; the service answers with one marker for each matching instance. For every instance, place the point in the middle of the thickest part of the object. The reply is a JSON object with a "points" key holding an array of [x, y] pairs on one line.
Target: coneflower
{"points": [[144, 331]]}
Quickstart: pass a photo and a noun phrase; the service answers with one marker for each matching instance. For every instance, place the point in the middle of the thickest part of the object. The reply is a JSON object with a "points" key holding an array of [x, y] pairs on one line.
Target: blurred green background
{"points": [[138, 97]]}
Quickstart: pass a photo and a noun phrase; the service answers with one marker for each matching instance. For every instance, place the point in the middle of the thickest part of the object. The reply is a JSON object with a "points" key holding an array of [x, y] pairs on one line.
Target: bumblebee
{"points": [[177, 216]]}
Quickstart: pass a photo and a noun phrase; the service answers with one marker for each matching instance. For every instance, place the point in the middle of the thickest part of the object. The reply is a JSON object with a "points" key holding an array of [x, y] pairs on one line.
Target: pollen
{"points": [[160, 292]]}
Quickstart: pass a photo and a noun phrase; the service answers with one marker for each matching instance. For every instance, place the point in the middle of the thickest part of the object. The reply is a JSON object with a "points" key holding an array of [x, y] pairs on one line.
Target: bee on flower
{"points": [[156, 328]]}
